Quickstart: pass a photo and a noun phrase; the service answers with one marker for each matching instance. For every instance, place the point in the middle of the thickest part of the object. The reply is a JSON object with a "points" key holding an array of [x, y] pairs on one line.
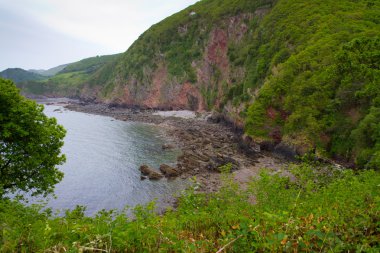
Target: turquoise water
{"points": [[103, 157]]}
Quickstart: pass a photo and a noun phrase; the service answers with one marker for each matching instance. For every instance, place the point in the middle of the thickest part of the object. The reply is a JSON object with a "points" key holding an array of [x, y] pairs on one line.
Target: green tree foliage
{"points": [[30, 144], [318, 62], [358, 71]]}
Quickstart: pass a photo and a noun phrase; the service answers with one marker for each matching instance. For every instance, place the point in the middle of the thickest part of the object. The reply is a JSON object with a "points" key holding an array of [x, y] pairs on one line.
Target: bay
{"points": [[103, 157]]}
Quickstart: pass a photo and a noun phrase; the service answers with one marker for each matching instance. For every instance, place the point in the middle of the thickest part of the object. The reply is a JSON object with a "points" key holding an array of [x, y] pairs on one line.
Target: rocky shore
{"points": [[205, 146]]}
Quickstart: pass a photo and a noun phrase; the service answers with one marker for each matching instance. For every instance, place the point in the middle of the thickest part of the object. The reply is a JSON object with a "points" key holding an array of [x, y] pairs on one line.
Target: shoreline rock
{"points": [[206, 144], [150, 173], [168, 171]]}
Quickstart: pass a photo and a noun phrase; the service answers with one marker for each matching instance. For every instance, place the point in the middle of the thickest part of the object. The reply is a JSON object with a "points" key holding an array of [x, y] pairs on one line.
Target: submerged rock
{"points": [[150, 173], [155, 175]]}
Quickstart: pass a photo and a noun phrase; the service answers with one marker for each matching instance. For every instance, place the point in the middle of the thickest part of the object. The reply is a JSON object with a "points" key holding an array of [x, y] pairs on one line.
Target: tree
{"points": [[30, 144]]}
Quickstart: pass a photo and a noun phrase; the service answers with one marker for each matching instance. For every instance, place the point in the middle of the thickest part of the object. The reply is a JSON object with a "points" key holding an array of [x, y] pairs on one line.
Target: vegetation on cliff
{"points": [[320, 80], [322, 210], [318, 208], [298, 72], [303, 73], [190, 47]]}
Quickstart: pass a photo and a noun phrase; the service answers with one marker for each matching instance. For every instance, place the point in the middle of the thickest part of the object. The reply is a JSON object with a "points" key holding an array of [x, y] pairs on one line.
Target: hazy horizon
{"points": [[42, 34]]}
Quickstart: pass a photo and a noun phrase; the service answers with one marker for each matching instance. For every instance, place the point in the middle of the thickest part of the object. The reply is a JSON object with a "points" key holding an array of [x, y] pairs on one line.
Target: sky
{"points": [[41, 34]]}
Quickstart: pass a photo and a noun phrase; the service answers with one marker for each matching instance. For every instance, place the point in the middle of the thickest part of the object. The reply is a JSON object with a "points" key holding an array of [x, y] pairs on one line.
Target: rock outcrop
{"points": [[150, 173], [169, 77], [168, 171]]}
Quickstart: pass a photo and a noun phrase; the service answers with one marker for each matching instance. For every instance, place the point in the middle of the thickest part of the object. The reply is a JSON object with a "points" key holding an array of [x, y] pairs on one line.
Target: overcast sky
{"points": [[40, 34]]}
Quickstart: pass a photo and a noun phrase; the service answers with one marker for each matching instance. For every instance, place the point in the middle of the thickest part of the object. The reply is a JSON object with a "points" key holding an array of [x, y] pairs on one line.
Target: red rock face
{"points": [[162, 91], [182, 96], [217, 49], [163, 94], [190, 97], [158, 81]]}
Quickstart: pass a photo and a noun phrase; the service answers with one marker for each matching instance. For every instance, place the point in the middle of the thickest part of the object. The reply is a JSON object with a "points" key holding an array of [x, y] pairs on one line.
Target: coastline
{"points": [[205, 145]]}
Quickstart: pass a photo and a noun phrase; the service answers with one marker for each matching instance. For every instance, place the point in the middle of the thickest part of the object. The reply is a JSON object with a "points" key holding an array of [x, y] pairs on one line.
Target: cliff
{"points": [[182, 62], [300, 74]]}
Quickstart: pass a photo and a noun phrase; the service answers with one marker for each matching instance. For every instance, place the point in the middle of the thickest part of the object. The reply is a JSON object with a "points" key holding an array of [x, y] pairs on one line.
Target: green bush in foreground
{"points": [[322, 210]]}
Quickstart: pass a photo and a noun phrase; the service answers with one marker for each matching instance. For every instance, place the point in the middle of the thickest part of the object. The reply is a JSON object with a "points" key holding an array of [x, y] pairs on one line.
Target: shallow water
{"points": [[103, 157]]}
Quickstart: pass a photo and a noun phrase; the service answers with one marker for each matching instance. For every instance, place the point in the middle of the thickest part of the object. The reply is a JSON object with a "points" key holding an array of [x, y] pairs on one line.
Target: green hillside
{"points": [[318, 63], [304, 74], [89, 65], [20, 75], [70, 79], [49, 72]]}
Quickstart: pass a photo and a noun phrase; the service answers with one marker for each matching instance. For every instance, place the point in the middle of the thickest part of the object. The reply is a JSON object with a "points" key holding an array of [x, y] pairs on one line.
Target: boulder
{"points": [[248, 145], [267, 145], [168, 171], [150, 173], [145, 170], [221, 160], [191, 162], [215, 118], [285, 150], [155, 175]]}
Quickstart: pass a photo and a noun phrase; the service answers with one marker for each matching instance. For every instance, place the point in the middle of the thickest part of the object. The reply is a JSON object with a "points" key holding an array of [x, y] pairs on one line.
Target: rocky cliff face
{"points": [[294, 73], [283, 70], [203, 76]]}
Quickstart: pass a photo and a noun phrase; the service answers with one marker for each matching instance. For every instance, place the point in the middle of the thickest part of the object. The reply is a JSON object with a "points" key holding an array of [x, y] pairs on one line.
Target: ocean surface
{"points": [[103, 160]]}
